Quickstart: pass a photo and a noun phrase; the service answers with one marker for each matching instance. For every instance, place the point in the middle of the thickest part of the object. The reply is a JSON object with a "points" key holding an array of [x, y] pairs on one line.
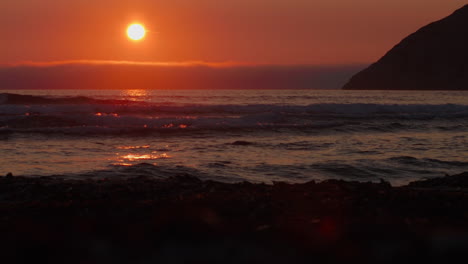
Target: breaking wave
{"points": [[82, 115], [20, 99], [394, 169]]}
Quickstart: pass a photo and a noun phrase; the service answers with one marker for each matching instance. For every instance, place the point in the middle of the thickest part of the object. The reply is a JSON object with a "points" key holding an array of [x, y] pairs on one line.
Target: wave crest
{"points": [[85, 115]]}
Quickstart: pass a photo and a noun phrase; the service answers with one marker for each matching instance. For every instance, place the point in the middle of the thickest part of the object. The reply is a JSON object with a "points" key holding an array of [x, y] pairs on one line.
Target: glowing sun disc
{"points": [[136, 32]]}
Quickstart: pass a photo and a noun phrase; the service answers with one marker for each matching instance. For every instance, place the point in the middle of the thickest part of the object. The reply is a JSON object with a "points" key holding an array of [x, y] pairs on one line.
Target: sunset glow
{"points": [[266, 131], [257, 32], [136, 32]]}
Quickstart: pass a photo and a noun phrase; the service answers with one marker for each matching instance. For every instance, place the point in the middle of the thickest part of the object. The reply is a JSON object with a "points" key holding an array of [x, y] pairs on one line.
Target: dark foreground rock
{"points": [[186, 220], [454, 182], [433, 58]]}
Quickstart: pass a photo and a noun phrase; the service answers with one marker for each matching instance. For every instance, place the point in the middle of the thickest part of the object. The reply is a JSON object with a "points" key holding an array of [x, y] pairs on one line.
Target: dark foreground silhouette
{"points": [[433, 58], [186, 220]]}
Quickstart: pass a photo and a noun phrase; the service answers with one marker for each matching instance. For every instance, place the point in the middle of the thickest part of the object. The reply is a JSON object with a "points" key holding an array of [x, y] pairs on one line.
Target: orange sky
{"points": [[250, 31]]}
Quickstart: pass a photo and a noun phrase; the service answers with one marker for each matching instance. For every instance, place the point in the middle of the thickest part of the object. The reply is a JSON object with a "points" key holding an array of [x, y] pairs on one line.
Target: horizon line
{"points": [[226, 64]]}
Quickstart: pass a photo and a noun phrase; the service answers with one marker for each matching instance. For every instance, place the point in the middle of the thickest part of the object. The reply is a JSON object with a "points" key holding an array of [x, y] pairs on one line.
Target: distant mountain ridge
{"points": [[433, 58]]}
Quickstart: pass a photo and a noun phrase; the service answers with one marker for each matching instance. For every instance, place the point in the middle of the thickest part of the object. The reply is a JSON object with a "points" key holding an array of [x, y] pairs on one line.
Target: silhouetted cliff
{"points": [[433, 58]]}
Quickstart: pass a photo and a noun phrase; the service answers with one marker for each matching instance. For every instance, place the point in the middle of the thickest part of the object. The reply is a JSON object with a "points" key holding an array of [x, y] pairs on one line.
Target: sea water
{"points": [[235, 135]]}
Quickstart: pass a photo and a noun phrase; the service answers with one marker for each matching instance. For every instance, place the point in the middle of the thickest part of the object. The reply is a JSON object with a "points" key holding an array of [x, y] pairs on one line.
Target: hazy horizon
{"points": [[128, 75]]}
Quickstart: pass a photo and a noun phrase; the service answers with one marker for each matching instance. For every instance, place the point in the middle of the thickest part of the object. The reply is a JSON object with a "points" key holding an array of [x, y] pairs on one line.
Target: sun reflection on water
{"points": [[134, 147], [134, 154], [135, 94], [123, 164], [105, 114], [139, 157], [134, 157], [171, 125]]}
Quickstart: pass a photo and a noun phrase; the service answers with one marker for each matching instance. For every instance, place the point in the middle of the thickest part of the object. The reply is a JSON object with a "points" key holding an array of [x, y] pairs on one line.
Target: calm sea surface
{"points": [[235, 135]]}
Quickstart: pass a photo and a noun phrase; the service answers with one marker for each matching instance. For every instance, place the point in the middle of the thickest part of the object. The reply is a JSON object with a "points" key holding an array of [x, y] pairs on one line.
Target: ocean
{"points": [[235, 135]]}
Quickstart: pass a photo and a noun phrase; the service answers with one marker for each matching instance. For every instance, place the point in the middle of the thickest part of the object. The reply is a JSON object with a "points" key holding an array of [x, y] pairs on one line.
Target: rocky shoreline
{"points": [[185, 220]]}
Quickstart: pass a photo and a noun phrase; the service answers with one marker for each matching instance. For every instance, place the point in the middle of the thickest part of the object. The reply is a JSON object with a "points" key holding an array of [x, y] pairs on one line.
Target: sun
{"points": [[136, 31]]}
